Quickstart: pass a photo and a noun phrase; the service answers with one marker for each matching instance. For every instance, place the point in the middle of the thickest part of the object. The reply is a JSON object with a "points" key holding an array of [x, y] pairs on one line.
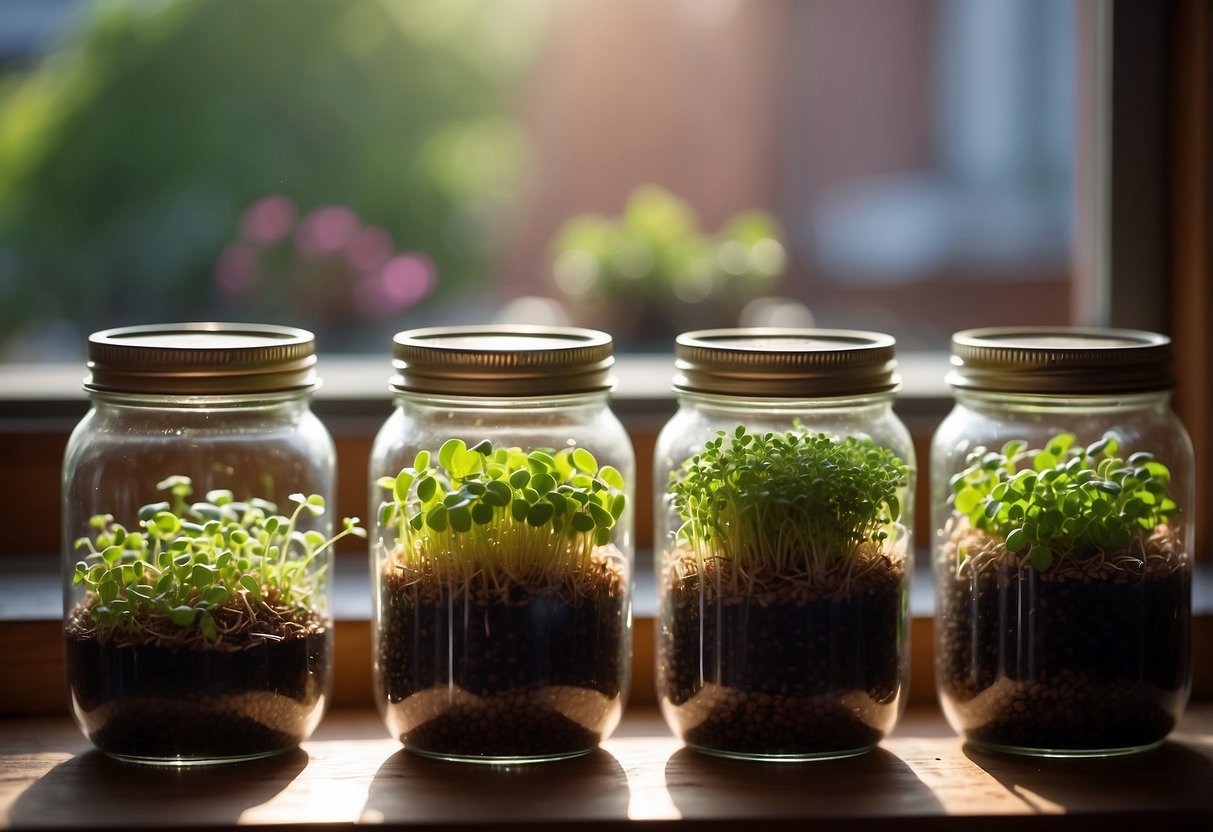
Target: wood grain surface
{"points": [[352, 773]]}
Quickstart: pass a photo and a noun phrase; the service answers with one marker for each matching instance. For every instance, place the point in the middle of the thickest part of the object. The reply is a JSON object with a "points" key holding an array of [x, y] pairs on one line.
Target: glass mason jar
{"points": [[502, 553], [783, 534], [1061, 483], [197, 599]]}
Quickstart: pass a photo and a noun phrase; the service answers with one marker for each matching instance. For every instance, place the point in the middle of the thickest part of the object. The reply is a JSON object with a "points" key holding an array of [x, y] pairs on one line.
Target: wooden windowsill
{"points": [[352, 773]]}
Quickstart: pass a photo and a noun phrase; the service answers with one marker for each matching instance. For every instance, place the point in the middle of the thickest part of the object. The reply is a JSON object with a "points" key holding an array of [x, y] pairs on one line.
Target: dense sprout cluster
{"points": [[1063, 501], [502, 513], [788, 501], [187, 562]]}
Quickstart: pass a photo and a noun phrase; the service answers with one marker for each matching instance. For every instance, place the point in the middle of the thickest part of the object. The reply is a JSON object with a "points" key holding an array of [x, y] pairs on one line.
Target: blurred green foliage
{"points": [[652, 270], [129, 155]]}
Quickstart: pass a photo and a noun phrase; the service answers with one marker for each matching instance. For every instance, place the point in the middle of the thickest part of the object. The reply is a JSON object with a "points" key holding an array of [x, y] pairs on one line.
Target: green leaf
{"points": [[497, 493], [559, 502], [201, 576], [1044, 461], [207, 625], [454, 500], [967, 500], [618, 504], [251, 585], [541, 461], [894, 506], [107, 591], [602, 517], [436, 518], [584, 461], [539, 513], [182, 616], [387, 512], [611, 477], [482, 513], [460, 518], [220, 496], [166, 523], [1041, 557], [446, 454]]}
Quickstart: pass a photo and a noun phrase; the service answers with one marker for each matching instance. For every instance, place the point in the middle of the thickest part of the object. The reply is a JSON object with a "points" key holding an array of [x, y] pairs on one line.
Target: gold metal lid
{"points": [[766, 362], [1060, 360], [502, 361], [201, 359]]}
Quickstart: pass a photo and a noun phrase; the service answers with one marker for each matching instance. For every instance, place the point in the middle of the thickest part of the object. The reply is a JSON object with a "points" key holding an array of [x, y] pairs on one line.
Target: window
{"points": [[363, 167], [196, 158]]}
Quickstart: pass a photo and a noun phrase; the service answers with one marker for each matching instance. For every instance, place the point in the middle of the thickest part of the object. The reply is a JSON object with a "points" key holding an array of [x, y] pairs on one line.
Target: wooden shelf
{"points": [[352, 773]]}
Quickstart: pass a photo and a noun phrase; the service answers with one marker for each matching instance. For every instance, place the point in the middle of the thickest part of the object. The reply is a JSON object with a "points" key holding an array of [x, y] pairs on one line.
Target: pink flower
{"points": [[268, 220], [326, 231], [369, 249], [402, 282]]}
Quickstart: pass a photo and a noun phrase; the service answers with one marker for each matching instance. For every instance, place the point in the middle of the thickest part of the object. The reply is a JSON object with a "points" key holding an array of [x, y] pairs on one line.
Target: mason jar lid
{"points": [[768, 362], [1060, 360], [496, 361], [201, 359]]}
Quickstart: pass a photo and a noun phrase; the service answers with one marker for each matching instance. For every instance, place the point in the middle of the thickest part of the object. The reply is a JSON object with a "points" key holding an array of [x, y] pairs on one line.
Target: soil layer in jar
{"points": [[1084, 657], [479, 670], [199, 702], [782, 665]]}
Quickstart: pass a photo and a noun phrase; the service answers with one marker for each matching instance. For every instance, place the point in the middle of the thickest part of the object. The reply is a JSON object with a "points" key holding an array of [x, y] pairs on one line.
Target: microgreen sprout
{"points": [[789, 502], [503, 513], [1064, 501], [189, 566]]}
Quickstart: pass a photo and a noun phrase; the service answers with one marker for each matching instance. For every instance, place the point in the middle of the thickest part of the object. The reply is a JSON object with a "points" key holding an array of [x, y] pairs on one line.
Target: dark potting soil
{"points": [[1063, 661], [533, 673], [774, 672], [148, 701]]}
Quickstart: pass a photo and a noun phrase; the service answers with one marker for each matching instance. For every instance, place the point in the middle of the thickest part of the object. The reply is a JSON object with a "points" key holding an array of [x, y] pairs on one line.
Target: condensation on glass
{"points": [[783, 535], [1061, 484], [502, 552], [191, 637]]}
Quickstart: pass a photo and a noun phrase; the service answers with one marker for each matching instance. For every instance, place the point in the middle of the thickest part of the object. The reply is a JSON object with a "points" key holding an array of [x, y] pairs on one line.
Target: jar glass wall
{"points": [[502, 554], [198, 622], [1063, 580], [783, 531]]}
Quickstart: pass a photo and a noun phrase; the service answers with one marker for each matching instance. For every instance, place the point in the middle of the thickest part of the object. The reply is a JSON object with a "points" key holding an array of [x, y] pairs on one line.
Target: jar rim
{"points": [[201, 358], [783, 363], [1060, 360], [502, 360]]}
